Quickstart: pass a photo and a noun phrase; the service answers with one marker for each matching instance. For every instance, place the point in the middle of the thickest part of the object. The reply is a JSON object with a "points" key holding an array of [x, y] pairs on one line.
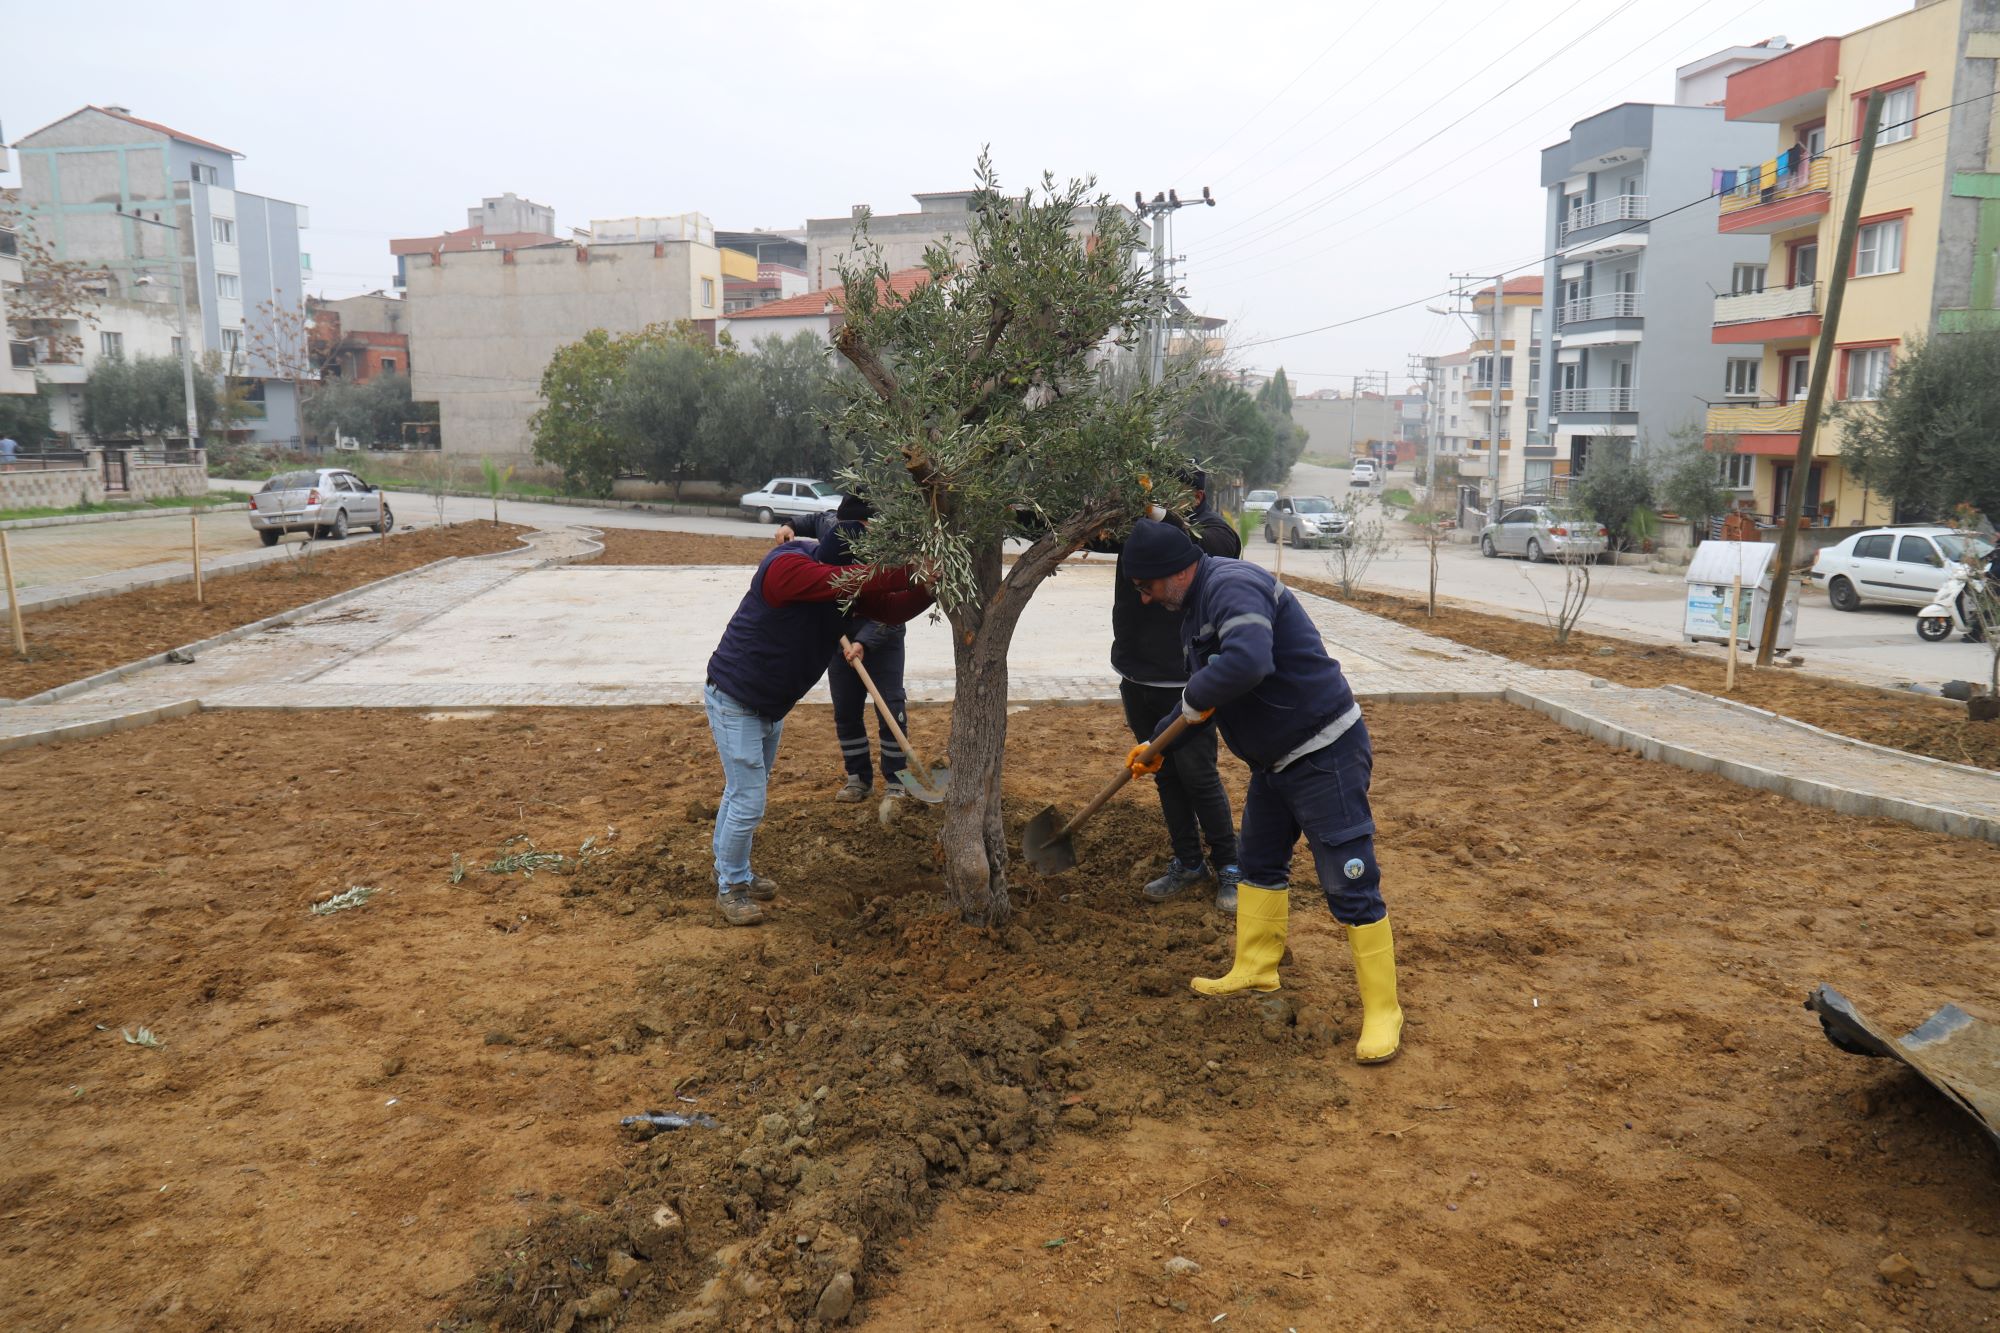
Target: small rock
{"points": [[1733, 1041], [392, 1065], [1153, 1102], [1986, 1279], [598, 1304], [499, 1039], [1607, 652], [1983, 929], [1079, 1117], [836, 1300], [700, 812], [1010, 1099], [1178, 1266], [1731, 1205], [1898, 1271], [624, 1271]]}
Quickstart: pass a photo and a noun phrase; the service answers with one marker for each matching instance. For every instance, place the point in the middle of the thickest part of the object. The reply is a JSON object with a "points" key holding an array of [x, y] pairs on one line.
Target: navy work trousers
{"points": [[1325, 796], [852, 708]]}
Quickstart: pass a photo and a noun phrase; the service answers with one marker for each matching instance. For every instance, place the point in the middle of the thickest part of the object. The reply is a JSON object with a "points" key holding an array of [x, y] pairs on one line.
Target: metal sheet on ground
{"points": [[1954, 1052]]}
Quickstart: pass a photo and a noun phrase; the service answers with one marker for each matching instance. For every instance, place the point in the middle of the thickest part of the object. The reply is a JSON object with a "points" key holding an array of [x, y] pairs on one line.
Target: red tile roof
{"points": [[902, 282], [131, 119], [1518, 287]]}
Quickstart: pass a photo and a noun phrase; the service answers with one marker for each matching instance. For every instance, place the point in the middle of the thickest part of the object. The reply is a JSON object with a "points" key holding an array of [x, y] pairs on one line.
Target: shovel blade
{"points": [[1042, 849], [929, 789]]}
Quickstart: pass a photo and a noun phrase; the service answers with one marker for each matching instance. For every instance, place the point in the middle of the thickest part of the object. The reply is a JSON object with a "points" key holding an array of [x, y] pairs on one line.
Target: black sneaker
{"points": [[736, 907], [1178, 880], [1226, 880]]}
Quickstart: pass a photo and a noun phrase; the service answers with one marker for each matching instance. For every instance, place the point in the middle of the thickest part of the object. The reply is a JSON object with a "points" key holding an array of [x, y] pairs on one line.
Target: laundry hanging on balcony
{"points": [[1763, 176]]}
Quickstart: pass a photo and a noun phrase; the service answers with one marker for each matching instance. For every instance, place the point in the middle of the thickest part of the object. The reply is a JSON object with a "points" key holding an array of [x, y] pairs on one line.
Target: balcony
{"points": [[1476, 445], [1793, 201], [1766, 316], [1765, 418], [1574, 402], [1617, 209], [1611, 305]]}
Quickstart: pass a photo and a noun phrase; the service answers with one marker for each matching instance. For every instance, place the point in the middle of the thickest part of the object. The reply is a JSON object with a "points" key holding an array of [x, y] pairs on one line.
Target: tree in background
{"points": [[1931, 442], [144, 397], [1239, 435], [372, 413], [1276, 395], [1687, 475], [1614, 489], [576, 428], [659, 402], [24, 417], [983, 404], [53, 294]]}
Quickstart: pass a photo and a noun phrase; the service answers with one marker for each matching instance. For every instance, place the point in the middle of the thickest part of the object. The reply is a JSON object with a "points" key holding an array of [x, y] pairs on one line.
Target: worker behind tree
{"points": [[1258, 667], [1146, 653], [775, 649], [836, 531]]}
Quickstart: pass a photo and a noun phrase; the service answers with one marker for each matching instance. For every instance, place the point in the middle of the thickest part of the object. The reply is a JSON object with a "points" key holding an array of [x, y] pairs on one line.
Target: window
{"points": [[1805, 264], [204, 174], [1899, 110], [708, 293], [232, 342], [111, 345], [1747, 278], [1878, 248], [223, 229], [1812, 138], [1875, 547], [176, 349], [1918, 551], [388, 365], [1797, 373], [229, 286], [1737, 470], [1739, 377], [1867, 371]]}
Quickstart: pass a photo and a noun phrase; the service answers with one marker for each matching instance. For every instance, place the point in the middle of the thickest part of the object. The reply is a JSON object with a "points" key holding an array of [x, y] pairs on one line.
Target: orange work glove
{"points": [[1140, 764]]}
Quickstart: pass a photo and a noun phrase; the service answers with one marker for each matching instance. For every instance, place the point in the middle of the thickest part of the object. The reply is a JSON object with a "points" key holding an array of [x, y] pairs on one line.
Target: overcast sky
{"points": [[1309, 120]]}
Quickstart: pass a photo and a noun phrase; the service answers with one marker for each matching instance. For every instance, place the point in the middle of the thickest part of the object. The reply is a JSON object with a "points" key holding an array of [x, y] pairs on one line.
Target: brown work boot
{"points": [[736, 907], [854, 791], [763, 890]]}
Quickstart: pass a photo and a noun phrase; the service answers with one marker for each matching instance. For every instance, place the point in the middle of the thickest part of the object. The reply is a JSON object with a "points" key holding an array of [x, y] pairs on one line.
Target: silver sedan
{"points": [[1540, 533], [322, 502]]}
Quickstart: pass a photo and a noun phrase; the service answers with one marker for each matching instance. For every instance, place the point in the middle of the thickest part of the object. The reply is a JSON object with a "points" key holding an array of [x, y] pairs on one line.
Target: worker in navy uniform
{"points": [[1259, 669]]}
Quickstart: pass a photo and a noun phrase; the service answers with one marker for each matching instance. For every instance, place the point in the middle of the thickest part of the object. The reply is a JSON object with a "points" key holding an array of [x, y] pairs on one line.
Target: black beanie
{"points": [[837, 546], [1156, 550], [854, 509]]}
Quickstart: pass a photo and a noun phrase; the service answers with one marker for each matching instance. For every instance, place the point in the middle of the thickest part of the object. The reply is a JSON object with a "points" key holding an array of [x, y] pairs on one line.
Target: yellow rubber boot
{"points": [[1375, 972], [1261, 916]]}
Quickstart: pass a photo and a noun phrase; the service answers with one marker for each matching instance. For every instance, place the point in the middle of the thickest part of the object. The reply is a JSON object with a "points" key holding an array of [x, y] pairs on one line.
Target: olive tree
{"points": [[982, 409]]}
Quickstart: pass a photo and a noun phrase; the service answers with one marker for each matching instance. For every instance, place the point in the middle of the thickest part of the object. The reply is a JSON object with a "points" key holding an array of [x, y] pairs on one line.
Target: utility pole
{"points": [[1836, 292], [1162, 206]]}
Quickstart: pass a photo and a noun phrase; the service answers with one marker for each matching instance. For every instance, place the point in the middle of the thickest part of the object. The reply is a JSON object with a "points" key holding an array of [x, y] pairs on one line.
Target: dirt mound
{"points": [[651, 546], [878, 1056]]}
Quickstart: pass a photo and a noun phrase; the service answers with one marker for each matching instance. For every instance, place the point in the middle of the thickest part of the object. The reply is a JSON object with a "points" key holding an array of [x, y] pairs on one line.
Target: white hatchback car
{"points": [[1363, 473], [1899, 566], [788, 497]]}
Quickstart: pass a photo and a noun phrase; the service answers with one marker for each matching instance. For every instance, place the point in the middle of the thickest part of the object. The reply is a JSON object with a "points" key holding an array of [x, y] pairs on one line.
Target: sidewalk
{"points": [[517, 630]]}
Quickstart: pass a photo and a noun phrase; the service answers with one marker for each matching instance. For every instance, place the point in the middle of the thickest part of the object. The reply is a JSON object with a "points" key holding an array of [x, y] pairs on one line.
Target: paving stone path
{"points": [[321, 659]]}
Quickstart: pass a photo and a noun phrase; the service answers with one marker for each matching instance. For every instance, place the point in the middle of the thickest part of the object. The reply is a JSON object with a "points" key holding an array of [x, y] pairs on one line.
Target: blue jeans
{"points": [[1324, 795], [748, 743]]}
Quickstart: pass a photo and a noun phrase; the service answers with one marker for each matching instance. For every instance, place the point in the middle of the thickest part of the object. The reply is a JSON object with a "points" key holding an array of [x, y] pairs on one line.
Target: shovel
{"points": [[926, 784], [1048, 848]]}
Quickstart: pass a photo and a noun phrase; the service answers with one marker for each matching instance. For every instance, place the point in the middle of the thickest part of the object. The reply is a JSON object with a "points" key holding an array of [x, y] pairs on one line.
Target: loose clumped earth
{"points": [[71, 642], [1610, 1111]]}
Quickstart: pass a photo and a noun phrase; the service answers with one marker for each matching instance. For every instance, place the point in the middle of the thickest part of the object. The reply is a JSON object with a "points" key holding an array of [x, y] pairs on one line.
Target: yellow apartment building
{"points": [[1924, 260]]}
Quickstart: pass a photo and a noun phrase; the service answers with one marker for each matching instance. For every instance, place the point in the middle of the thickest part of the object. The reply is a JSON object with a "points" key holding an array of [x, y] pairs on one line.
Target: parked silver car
{"points": [[324, 502], [1305, 520], [1540, 533]]}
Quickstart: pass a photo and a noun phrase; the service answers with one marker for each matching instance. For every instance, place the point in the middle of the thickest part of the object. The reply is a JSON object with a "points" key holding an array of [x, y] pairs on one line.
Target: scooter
{"points": [[1952, 608]]}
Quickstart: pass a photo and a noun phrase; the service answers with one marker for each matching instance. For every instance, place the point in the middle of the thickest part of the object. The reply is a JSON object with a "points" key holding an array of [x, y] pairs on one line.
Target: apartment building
{"points": [[497, 222], [1503, 391], [1450, 416], [483, 323], [17, 372], [1633, 267], [93, 185], [941, 216], [1924, 262]]}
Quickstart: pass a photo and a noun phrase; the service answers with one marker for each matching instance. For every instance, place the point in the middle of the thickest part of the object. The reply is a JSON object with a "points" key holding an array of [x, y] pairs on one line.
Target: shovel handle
{"points": [[889, 717], [1153, 747]]}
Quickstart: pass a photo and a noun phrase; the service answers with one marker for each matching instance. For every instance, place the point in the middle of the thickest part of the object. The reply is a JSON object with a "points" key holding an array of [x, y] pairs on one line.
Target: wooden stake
{"points": [[1735, 608], [1279, 573], [13, 598], [194, 514]]}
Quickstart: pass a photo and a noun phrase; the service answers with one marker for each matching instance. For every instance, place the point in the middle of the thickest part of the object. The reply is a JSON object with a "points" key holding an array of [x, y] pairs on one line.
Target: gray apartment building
{"points": [[1636, 263], [87, 178], [902, 237]]}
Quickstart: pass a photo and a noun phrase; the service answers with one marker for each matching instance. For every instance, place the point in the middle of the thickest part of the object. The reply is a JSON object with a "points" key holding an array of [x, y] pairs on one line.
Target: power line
{"points": [[1630, 226]]}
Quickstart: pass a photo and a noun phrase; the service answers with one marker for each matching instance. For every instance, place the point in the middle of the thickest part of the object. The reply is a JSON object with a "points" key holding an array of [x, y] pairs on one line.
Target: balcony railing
{"points": [[1618, 208], [1611, 305], [1746, 197], [1756, 418], [1771, 303], [1592, 400]]}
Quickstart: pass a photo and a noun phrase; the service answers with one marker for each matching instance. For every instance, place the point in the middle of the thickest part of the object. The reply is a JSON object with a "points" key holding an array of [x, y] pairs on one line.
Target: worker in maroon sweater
{"points": [[777, 646]]}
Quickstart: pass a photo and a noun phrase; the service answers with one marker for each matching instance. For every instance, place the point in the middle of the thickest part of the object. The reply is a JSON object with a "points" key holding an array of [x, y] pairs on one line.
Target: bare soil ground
{"points": [[70, 642], [1610, 1110], [1903, 721], [644, 546]]}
